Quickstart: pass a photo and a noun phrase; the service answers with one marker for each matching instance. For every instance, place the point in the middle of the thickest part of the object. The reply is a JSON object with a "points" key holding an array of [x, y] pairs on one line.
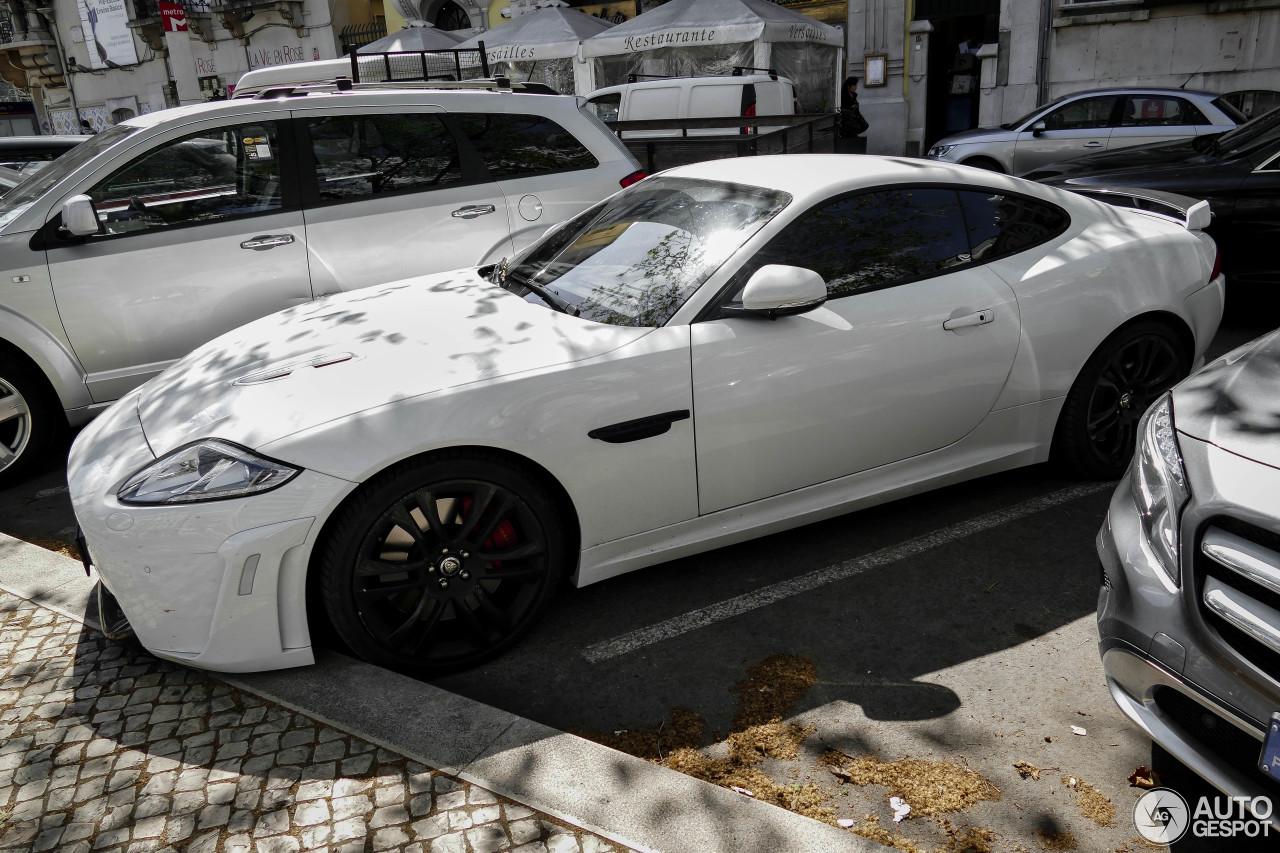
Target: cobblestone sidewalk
{"points": [[106, 748]]}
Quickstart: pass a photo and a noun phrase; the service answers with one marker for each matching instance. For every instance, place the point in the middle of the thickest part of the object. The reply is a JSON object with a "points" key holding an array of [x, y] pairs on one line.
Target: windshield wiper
{"points": [[557, 303]]}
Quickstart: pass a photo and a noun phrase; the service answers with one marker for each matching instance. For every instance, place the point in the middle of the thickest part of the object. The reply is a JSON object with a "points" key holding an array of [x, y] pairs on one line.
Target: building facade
{"points": [[933, 67], [89, 63]]}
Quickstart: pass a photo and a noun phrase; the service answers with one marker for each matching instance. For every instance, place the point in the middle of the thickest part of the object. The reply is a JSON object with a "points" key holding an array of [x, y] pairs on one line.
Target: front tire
{"points": [[30, 422], [442, 564], [1098, 427]]}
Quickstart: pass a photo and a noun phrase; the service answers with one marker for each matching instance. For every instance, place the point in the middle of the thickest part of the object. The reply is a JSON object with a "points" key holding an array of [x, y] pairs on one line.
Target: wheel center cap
{"points": [[1126, 400], [449, 566]]}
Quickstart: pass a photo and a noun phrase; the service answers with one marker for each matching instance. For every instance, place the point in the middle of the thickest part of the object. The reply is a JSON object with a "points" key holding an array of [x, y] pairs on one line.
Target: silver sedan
{"points": [[1086, 123]]}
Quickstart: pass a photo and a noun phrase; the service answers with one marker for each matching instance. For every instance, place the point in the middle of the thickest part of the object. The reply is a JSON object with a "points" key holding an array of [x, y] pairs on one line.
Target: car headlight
{"points": [[940, 150], [208, 470], [1159, 483]]}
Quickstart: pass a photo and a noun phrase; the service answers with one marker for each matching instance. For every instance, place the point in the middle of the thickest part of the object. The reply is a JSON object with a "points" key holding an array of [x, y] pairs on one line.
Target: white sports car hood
{"points": [[1233, 402], [345, 354]]}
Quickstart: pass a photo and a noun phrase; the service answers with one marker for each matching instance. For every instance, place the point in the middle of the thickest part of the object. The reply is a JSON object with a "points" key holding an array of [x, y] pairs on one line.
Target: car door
{"points": [[201, 233], [546, 174], [908, 355], [388, 194], [1148, 119], [1072, 129], [1247, 220]]}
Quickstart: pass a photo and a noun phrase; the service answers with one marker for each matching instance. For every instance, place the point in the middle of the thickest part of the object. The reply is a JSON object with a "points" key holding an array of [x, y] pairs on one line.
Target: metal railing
{"points": [[787, 134], [358, 35]]}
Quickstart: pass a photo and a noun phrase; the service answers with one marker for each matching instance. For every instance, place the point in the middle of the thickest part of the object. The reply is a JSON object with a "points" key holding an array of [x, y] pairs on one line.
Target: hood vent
{"points": [[283, 369]]}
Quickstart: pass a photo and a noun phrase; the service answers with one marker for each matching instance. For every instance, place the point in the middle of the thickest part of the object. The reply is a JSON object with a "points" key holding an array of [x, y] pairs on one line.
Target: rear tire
{"points": [[441, 564], [30, 421], [1097, 428]]}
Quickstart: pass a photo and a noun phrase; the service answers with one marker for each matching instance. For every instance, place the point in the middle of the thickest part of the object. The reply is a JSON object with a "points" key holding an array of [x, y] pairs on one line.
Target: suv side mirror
{"points": [[777, 291], [1038, 128], [79, 219]]}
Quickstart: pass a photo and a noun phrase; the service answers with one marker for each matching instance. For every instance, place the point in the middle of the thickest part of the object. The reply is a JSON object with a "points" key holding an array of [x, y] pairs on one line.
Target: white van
{"points": [[693, 97]]}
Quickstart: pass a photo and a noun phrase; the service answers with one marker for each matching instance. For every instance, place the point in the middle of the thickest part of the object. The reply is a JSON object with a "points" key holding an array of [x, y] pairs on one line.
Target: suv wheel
{"points": [[29, 421]]}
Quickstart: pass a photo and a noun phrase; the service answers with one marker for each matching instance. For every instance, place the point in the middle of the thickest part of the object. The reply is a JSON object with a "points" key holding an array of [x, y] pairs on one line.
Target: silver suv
{"points": [[1086, 123], [1189, 611], [169, 229]]}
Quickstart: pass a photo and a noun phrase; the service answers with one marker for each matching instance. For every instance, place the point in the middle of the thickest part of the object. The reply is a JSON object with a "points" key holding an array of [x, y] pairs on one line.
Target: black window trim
{"points": [[523, 175], [473, 171], [47, 237], [711, 311]]}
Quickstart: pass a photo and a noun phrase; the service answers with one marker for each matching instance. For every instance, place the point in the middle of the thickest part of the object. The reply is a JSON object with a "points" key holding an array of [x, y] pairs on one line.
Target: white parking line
{"points": [[736, 606]]}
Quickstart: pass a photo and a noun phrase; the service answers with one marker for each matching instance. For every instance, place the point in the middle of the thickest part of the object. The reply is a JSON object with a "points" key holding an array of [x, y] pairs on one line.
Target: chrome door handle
{"points": [[1093, 145], [977, 318], [471, 211], [266, 241]]}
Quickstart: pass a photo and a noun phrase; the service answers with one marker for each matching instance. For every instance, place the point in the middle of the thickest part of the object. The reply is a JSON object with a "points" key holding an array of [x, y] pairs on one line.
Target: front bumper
{"points": [[1168, 671], [218, 585]]}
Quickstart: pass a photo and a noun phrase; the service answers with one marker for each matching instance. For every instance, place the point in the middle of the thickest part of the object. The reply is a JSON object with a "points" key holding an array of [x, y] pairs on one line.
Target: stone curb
{"points": [[624, 799]]}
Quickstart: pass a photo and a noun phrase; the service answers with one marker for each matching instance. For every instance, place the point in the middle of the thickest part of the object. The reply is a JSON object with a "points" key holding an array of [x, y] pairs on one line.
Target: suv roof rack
{"points": [[344, 84]]}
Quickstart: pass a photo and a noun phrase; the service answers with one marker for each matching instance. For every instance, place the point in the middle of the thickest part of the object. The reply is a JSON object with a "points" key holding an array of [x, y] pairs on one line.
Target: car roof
{"points": [[1141, 90], [362, 97], [804, 175]]}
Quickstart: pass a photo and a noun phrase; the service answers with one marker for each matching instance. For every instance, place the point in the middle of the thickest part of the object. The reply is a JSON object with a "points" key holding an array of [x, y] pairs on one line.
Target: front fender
{"points": [[52, 356]]}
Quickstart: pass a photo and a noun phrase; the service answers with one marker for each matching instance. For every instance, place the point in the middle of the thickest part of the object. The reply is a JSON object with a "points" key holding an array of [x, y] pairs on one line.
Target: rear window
{"points": [[516, 145]]}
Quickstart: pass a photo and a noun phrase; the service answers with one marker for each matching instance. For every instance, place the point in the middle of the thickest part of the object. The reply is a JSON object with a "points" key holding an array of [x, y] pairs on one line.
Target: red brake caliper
{"points": [[503, 536]]}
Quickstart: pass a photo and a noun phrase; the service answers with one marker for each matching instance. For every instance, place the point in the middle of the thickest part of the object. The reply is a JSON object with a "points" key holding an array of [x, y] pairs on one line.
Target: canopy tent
{"points": [[693, 37], [541, 46], [417, 36]]}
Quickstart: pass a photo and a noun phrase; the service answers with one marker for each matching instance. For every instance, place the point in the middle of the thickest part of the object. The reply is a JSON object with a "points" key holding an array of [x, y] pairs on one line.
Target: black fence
{"points": [[469, 64], [358, 35], [663, 143]]}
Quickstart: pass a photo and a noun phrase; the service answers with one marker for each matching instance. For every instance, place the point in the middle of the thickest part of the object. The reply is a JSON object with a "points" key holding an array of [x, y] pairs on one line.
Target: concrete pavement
{"points": [[107, 748]]}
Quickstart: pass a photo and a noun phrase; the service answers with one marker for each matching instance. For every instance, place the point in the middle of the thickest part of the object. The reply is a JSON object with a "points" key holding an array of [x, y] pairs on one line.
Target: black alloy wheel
{"points": [[442, 565], [1098, 428]]}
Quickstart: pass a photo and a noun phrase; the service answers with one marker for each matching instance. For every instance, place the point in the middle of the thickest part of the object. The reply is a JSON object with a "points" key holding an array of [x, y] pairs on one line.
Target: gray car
{"points": [[1189, 610], [169, 229], [1086, 123]]}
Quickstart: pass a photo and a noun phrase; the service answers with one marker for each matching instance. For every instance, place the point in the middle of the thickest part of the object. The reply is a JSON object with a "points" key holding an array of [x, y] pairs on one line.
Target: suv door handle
{"points": [[471, 211], [266, 241], [977, 318], [1094, 144]]}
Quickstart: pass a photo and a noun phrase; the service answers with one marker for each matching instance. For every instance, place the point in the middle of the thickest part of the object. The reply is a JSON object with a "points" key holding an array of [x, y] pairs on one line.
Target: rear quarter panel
{"points": [[1110, 267]]}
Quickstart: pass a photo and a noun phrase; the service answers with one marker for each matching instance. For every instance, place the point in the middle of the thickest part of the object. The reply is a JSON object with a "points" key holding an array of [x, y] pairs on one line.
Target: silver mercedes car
{"points": [[1189, 609], [1086, 123]]}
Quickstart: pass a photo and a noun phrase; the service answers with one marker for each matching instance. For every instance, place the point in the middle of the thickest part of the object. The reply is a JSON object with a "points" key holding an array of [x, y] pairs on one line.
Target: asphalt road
{"points": [[979, 651]]}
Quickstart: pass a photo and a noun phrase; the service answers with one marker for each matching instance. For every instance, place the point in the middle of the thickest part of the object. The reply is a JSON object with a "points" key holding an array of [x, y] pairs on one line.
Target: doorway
{"points": [[952, 93]]}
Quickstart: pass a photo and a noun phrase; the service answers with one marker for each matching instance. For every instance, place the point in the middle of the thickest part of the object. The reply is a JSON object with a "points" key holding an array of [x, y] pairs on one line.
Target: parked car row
{"points": [[508, 359]]}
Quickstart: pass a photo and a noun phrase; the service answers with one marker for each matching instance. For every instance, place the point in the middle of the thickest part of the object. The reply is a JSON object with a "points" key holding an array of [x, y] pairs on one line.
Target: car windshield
{"points": [[16, 200], [633, 259], [1014, 125], [1260, 130]]}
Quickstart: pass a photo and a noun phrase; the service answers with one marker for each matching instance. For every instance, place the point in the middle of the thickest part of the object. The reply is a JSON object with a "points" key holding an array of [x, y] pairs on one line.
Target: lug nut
{"points": [[466, 576], [444, 551], [444, 584], [465, 555], [431, 570]]}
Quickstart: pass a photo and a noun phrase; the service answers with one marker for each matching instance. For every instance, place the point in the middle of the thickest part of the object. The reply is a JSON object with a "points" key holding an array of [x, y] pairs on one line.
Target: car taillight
{"points": [[1217, 265], [634, 178]]}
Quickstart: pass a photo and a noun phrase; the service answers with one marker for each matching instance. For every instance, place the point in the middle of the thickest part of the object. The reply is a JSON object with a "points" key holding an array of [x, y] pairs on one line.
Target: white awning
{"points": [[691, 23], [551, 33]]}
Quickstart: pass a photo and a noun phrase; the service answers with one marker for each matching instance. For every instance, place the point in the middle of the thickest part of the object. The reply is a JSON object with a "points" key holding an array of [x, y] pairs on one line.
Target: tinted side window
{"points": [[1159, 111], [1001, 224], [367, 155], [1083, 114], [203, 177], [521, 145], [874, 239]]}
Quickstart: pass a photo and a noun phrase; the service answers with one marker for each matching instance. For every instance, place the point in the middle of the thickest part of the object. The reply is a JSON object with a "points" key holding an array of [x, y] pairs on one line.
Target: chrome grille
{"points": [[1238, 585]]}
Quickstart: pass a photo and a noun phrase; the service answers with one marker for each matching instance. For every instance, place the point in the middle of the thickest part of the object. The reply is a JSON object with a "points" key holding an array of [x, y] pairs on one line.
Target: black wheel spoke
{"points": [[405, 521], [425, 629], [512, 573], [431, 512], [370, 567], [488, 622], [1103, 420], [414, 615]]}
